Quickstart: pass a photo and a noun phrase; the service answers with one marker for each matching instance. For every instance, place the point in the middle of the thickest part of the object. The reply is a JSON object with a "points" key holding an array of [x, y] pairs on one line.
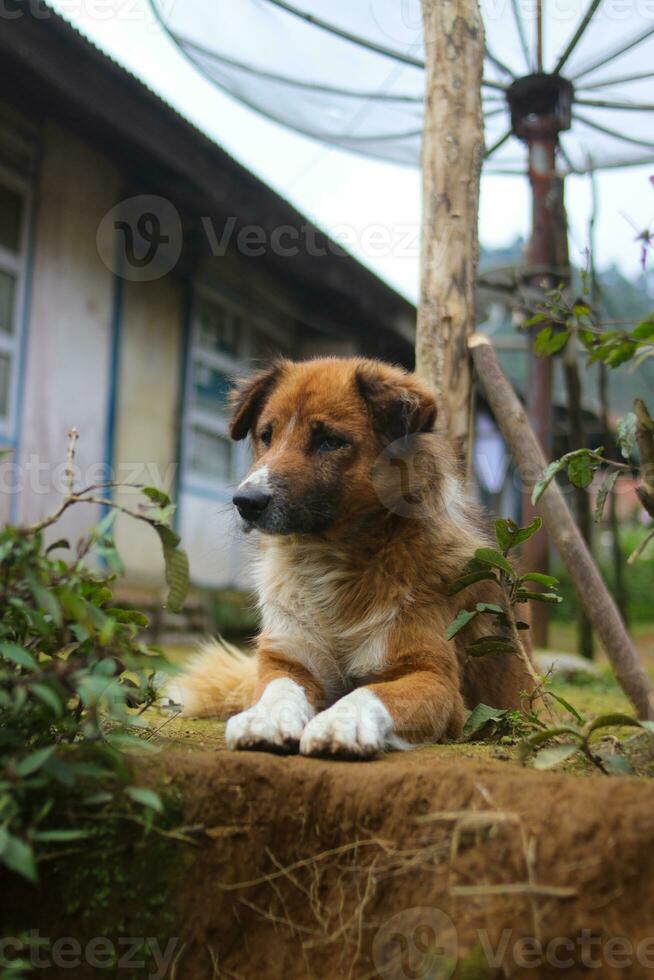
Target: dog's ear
{"points": [[398, 403], [249, 396]]}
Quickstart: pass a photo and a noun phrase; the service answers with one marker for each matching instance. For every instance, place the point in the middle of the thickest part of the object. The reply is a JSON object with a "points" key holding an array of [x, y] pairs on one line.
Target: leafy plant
{"points": [[635, 430], [506, 723], [495, 565], [74, 681], [564, 319], [548, 751]]}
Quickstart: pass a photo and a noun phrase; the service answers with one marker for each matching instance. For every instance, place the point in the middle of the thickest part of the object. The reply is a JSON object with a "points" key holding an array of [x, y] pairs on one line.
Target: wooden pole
{"points": [[452, 153], [591, 589], [541, 255]]}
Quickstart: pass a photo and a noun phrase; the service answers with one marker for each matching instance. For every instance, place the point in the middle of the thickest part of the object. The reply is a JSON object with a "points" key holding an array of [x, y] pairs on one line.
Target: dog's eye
{"points": [[266, 435], [328, 444]]}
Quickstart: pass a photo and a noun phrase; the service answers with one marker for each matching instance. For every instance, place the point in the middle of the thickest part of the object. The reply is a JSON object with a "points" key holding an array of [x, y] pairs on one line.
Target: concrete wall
{"points": [[148, 410], [69, 332]]}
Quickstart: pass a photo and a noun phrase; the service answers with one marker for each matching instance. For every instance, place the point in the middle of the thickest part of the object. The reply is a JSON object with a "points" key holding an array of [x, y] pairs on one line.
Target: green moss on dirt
{"points": [[592, 696], [121, 886]]}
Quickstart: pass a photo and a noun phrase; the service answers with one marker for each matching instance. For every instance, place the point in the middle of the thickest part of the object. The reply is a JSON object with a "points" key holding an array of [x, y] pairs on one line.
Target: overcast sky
{"points": [[374, 207]]}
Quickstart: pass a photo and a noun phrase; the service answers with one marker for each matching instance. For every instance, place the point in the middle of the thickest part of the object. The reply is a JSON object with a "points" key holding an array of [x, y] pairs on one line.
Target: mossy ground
{"points": [[115, 896], [590, 696]]}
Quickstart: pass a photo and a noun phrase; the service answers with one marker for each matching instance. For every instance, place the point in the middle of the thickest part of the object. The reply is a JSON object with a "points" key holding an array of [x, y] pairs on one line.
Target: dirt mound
{"points": [[420, 865], [412, 866]]}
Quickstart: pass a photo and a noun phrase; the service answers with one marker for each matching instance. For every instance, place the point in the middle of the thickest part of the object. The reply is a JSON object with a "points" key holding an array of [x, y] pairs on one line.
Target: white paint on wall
{"points": [[67, 366], [146, 434]]}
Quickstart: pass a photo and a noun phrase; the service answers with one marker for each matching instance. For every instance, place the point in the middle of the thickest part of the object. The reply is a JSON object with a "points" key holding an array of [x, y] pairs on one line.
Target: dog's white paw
{"points": [[275, 723], [358, 726]]}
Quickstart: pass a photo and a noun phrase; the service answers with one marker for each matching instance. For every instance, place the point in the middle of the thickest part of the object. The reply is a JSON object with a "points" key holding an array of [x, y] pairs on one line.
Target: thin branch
{"points": [[73, 436]]}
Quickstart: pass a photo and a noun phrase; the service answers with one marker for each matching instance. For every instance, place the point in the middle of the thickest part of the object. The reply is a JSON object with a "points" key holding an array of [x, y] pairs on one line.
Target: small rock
{"points": [[565, 664]]}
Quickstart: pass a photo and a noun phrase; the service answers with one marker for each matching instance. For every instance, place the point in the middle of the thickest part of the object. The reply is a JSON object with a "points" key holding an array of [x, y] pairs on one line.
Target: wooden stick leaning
{"points": [[589, 584], [452, 155]]}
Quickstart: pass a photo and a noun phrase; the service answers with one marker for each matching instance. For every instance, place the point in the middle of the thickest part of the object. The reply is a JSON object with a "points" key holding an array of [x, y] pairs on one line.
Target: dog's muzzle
{"points": [[251, 503]]}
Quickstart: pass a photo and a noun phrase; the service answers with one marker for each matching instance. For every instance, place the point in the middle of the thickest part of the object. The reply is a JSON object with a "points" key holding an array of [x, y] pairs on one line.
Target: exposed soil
{"points": [[445, 861], [326, 869]]}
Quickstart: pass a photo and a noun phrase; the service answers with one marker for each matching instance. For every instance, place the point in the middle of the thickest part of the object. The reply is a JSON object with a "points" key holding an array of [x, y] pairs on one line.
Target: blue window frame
{"points": [[14, 218]]}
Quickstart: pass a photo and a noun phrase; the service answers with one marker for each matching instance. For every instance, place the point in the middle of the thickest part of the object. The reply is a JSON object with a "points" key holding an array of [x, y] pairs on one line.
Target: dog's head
{"points": [[317, 428]]}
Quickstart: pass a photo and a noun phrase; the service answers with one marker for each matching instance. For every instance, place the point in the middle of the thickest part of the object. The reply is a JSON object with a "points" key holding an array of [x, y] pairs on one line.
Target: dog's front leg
{"points": [[418, 700], [286, 698]]}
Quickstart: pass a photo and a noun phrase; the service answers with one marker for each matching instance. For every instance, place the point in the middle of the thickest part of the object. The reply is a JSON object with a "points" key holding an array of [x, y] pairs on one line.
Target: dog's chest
{"points": [[321, 611]]}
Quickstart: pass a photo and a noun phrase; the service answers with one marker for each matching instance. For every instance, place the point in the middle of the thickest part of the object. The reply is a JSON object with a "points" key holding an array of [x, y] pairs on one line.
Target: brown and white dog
{"points": [[357, 547]]}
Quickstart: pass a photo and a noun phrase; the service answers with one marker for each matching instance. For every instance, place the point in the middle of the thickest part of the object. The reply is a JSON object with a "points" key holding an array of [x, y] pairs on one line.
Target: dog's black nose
{"points": [[251, 503]]}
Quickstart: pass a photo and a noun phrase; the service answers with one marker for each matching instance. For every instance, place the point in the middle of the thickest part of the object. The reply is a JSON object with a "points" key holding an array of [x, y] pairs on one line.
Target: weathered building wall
{"points": [[148, 410], [67, 369]]}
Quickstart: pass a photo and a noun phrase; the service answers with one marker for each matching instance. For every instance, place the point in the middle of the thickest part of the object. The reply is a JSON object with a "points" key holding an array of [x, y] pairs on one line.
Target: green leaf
{"points": [[145, 797], [495, 559], [644, 330], [509, 535], [554, 754], [580, 471], [490, 607], [61, 836], [59, 543], [529, 744], [620, 353], [177, 569], [523, 595], [568, 707], [490, 644], [580, 309], [617, 765], [30, 763], [469, 579], [536, 319], [62, 772], [626, 433], [73, 605], [504, 533], [130, 616], [524, 533], [156, 496], [47, 601], [604, 491], [97, 799], [17, 855], [548, 475], [550, 341], [48, 697], [169, 538], [18, 655], [548, 580], [463, 618], [480, 717], [614, 720]]}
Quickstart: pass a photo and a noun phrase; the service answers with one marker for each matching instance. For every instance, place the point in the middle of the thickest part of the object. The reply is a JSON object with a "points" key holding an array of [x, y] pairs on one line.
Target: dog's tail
{"points": [[219, 681]]}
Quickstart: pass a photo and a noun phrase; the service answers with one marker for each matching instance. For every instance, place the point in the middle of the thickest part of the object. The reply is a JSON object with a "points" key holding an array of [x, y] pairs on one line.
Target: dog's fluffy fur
{"points": [[353, 571]]}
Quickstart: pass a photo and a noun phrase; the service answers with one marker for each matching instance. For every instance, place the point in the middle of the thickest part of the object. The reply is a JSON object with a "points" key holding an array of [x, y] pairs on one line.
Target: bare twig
{"points": [[73, 436]]}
